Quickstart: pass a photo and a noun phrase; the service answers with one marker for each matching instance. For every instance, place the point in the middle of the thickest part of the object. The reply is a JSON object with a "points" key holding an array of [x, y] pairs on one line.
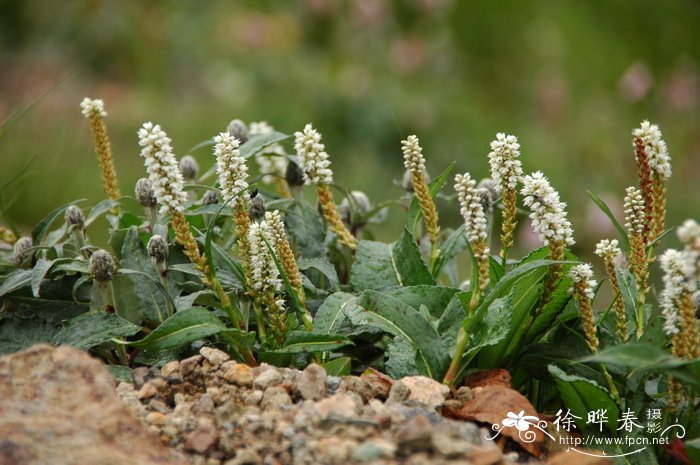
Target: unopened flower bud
{"points": [[351, 210], [257, 207], [407, 181], [238, 129], [144, 193], [102, 266], [19, 252], [157, 248], [211, 197], [294, 175], [74, 217], [488, 191], [189, 167]]}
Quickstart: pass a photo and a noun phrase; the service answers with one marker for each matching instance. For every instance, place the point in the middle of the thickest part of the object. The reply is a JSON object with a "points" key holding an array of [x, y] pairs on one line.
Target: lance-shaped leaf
{"points": [[394, 317], [182, 328], [94, 328]]}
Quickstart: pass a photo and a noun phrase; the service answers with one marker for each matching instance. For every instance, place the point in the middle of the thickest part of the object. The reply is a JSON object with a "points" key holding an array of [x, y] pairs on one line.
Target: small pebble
{"points": [[215, 356], [267, 378]]}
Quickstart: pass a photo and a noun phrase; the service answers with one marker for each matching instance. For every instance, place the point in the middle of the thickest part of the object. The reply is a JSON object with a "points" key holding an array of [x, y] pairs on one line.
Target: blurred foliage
{"points": [[570, 79]]}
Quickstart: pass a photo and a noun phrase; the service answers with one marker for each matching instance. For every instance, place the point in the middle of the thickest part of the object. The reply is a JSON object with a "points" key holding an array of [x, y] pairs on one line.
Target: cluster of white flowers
{"points": [[162, 167], [231, 168], [313, 158], [583, 274], [471, 208], [272, 160], [90, 107], [634, 210], [413, 158], [655, 147], [677, 280], [689, 233], [506, 169], [608, 249], [274, 220], [265, 275], [548, 215]]}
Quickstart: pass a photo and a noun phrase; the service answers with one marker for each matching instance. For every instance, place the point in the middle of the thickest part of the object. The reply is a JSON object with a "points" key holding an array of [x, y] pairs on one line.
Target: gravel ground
{"points": [[219, 412]]}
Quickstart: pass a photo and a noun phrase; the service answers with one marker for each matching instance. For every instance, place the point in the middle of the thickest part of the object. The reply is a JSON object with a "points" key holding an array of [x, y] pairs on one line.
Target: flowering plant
{"points": [[247, 263]]}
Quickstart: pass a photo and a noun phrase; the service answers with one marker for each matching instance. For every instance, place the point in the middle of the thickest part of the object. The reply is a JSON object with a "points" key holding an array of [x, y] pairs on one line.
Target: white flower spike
{"points": [[162, 167], [313, 158], [656, 149], [549, 219], [506, 169], [232, 170]]}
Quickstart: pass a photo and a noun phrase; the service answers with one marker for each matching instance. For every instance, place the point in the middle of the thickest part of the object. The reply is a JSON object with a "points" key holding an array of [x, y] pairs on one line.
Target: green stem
{"points": [[434, 256], [245, 352], [611, 384], [460, 347], [163, 275], [262, 332]]}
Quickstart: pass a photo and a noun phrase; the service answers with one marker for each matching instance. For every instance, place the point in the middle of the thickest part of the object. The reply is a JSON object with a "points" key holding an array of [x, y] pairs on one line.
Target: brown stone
{"points": [[59, 406]]}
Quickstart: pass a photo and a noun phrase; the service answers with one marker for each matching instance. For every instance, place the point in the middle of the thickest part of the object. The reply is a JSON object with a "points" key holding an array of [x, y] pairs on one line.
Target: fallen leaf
{"points": [[495, 377], [495, 404]]}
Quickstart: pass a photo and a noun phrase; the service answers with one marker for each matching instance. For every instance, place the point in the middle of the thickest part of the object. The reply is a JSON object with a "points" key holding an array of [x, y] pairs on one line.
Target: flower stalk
{"points": [[286, 256], [315, 164], [414, 161], [654, 168], [583, 291], [609, 251], [506, 172], [94, 111], [168, 187], [550, 223], [636, 223]]}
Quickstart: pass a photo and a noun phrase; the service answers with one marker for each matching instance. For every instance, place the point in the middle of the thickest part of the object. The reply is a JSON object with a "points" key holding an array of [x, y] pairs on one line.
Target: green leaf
{"points": [[435, 298], [454, 244], [394, 317], [581, 395], [27, 321], [323, 266], [338, 367], [378, 265], [407, 262], [434, 186], [514, 275], [305, 229], [372, 268], [16, 280], [41, 268], [643, 358], [605, 209], [523, 296], [182, 328], [302, 341], [400, 358], [120, 373], [100, 209], [492, 328], [692, 447], [91, 329], [330, 316], [41, 230], [257, 142]]}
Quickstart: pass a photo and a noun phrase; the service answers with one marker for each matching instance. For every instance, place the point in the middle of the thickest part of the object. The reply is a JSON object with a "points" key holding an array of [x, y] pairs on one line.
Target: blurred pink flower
{"points": [[408, 53], [681, 89], [635, 82]]}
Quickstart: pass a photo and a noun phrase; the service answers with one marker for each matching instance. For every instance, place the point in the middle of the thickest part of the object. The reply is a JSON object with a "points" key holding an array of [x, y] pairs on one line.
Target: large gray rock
{"points": [[58, 406]]}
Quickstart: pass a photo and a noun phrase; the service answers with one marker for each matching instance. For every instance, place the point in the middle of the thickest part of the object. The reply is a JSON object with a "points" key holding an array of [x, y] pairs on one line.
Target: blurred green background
{"points": [[570, 79]]}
